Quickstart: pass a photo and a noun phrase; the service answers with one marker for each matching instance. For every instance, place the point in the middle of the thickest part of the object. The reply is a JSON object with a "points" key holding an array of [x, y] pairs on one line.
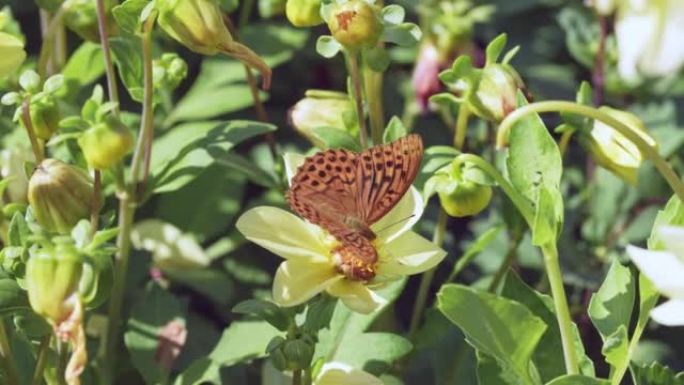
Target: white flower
{"points": [[649, 38], [337, 373], [309, 267], [666, 270]]}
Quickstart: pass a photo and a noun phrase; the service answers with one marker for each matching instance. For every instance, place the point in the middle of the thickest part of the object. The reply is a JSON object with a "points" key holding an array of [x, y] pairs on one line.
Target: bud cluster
{"points": [[463, 189]]}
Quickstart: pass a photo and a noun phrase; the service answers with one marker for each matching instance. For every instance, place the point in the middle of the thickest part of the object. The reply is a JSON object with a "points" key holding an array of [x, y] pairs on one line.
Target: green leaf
{"points": [[246, 167], [495, 48], [156, 309], [185, 151], [611, 310], [671, 215], [127, 54], [393, 14], [127, 14], [203, 103], [395, 129], [216, 195], [656, 374], [12, 297], [201, 371], [578, 380], [405, 34], [327, 46], [337, 138], [501, 328], [18, 231], [376, 58], [535, 167], [275, 43], [243, 341], [343, 341], [267, 311]]}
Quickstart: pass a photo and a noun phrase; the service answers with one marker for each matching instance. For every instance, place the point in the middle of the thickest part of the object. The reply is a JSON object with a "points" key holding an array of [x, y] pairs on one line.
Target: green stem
{"points": [[307, 377], [373, 85], [560, 302], [97, 201], [426, 279], [41, 360], [506, 265], [461, 126], [297, 377], [62, 360], [245, 12], [109, 66], [649, 151], [355, 74], [128, 200], [48, 45], [6, 360], [28, 124]]}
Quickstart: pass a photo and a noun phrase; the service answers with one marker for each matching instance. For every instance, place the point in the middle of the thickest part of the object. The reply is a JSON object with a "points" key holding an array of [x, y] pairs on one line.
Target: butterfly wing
{"points": [[384, 174], [324, 190]]}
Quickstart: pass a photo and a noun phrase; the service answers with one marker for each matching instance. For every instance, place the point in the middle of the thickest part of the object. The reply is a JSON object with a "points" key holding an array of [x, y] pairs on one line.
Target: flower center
{"points": [[345, 18], [356, 263]]}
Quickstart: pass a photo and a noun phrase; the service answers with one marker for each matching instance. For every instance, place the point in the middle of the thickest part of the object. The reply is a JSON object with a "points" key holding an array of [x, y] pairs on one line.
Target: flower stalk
{"points": [[41, 360], [26, 118], [128, 201], [48, 46], [103, 30], [357, 86], [10, 370], [649, 151]]}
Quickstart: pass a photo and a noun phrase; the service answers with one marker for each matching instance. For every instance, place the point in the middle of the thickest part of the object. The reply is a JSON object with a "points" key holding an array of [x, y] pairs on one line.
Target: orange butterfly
{"points": [[346, 192]]}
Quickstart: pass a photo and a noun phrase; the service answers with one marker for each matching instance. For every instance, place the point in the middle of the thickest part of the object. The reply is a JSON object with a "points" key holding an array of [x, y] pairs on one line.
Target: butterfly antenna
{"points": [[396, 223]]}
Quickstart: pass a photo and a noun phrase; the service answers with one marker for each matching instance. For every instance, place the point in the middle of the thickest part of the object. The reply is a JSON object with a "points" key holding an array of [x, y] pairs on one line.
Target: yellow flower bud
{"points": [[60, 195], [45, 117], [52, 278], [304, 13], [320, 109], [105, 144], [356, 24], [465, 199]]}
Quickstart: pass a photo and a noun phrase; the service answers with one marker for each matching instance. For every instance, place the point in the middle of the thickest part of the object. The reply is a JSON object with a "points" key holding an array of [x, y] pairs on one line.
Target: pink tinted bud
{"points": [[426, 75], [171, 341]]}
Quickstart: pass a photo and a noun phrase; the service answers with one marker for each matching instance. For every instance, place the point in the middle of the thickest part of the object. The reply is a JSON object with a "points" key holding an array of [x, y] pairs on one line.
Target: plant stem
{"points": [[41, 360], [373, 85], [48, 45], [506, 264], [560, 302], [128, 200], [109, 66], [307, 377], [62, 360], [426, 279], [645, 148], [297, 377], [28, 124], [598, 73], [355, 74], [6, 357], [461, 126], [97, 201]]}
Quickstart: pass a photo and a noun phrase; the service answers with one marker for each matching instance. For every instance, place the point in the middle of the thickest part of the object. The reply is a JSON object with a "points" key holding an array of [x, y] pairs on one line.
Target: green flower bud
{"points": [[12, 54], [60, 195], [96, 281], [169, 71], [465, 198], [356, 24], [298, 354], [463, 190], [198, 25], [12, 161], [614, 151], [52, 278], [81, 17], [49, 5], [493, 95], [321, 109], [45, 117], [304, 13], [105, 144]]}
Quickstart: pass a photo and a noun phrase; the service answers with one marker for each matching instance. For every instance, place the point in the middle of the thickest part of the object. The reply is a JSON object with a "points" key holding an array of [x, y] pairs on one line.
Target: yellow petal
{"points": [[356, 296], [12, 54], [283, 234], [409, 254], [298, 281], [401, 218], [292, 163], [337, 373]]}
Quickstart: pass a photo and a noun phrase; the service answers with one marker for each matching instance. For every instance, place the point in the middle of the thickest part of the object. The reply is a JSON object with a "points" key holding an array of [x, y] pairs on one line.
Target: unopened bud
{"points": [[60, 195], [614, 151], [45, 117], [12, 54], [356, 24], [320, 109], [460, 194], [304, 13], [52, 278], [81, 17], [105, 144]]}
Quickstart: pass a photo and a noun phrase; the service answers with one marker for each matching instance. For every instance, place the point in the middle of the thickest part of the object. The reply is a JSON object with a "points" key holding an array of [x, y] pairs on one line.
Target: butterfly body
{"points": [[345, 193]]}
